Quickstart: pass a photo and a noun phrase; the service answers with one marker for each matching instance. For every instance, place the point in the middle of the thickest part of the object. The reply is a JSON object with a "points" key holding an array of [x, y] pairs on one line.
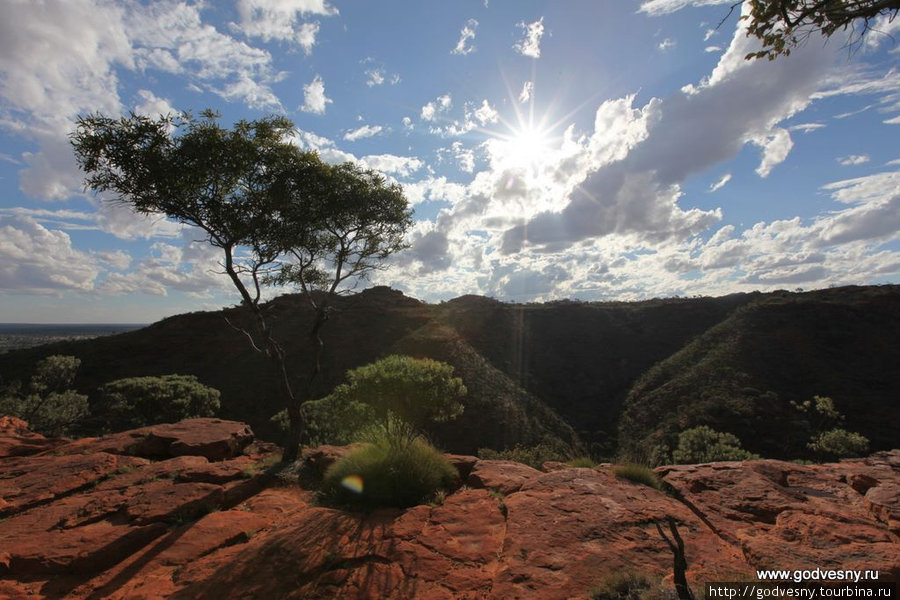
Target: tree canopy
{"points": [[783, 24], [280, 215]]}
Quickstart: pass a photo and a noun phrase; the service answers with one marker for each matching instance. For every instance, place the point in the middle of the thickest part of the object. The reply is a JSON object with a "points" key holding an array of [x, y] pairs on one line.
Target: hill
{"points": [[564, 372], [741, 375]]}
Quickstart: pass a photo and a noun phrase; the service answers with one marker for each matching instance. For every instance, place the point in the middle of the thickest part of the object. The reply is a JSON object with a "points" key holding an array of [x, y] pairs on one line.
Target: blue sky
{"points": [[599, 150]]}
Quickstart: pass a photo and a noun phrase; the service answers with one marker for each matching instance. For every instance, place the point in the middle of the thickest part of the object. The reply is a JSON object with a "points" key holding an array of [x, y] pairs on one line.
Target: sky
{"points": [[582, 149]]}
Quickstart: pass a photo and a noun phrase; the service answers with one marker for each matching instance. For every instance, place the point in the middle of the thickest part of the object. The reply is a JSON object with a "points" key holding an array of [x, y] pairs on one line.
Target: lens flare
{"points": [[354, 483]]}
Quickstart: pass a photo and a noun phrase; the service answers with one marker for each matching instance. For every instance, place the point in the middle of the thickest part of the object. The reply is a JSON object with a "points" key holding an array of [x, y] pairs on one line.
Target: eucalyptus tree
{"points": [[278, 214], [781, 25]]}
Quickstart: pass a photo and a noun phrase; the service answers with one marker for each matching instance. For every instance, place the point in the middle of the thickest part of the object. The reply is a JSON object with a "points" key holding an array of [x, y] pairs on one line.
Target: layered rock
{"points": [[190, 511]]}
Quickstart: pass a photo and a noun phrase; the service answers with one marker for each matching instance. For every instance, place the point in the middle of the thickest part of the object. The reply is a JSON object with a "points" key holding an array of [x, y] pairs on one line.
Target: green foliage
{"points": [[46, 403], [704, 444], [533, 456], [839, 443], [384, 474], [404, 394], [781, 25], [639, 474], [626, 585], [139, 401], [582, 462]]}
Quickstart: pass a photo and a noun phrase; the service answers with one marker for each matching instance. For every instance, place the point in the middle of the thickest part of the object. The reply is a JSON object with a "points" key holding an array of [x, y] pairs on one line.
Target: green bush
{"points": [[384, 474], [582, 462], [404, 393], [839, 443], [639, 474], [46, 403], [533, 456], [704, 444], [140, 401]]}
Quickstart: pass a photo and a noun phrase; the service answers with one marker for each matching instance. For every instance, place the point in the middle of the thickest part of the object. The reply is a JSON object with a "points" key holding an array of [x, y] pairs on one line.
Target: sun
{"points": [[524, 147]]}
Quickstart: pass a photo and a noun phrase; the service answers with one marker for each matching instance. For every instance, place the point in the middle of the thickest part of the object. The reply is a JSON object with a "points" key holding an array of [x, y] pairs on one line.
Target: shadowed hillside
{"points": [[742, 375], [537, 371]]}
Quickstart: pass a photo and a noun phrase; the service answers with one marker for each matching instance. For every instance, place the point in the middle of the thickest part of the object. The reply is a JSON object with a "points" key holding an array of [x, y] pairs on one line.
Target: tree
{"points": [[139, 401], [781, 25], [47, 403], [404, 393], [279, 215]]}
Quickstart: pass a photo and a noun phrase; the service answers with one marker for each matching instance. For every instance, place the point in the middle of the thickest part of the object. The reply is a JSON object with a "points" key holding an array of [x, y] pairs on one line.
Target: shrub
{"points": [[45, 403], [139, 401], [383, 474], [639, 474], [704, 444], [839, 443], [585, 462], [404, 393], [533, 456], [626, 585]]}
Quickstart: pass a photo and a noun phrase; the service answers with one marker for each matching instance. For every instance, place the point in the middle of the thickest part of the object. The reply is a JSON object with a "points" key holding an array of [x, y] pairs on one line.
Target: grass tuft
{"points": [[639, 474], [381, 474]]}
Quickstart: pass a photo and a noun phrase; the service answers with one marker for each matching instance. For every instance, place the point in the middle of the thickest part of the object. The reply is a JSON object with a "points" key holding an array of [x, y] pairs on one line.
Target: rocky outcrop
{"points": [[198, 515]]}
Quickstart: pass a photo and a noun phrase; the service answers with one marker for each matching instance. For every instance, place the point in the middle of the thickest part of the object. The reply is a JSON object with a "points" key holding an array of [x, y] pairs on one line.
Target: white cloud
{"points": [[712, 49], [365, 131], [776, 145], [402, 166], [152, 105], [441, 105], [718, 185], [314, 99], [486, 113], [527, 91], [662, 7], [530, 44], [37, 260], [853, 159], [171, 36], [306, 36], [893, 121], [665, 45], [281, 20], [465, 157], [466, 35], [327, 149], [709, 34], [806, 127]]}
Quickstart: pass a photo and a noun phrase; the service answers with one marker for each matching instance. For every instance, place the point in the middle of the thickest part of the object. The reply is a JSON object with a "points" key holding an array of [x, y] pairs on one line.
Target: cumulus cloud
{"points": [[605, 206], [466, 36], [281, 20], [314, 99], [441, 105], [37, 260], [366, 131], [402, 166], [530, 44]]}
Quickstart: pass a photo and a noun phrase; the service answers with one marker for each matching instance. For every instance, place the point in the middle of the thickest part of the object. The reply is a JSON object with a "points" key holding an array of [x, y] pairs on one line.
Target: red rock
{"points": [[462, 463], [214, 439], [104, 525], [503, 476], [17, 440], [30, 480]]}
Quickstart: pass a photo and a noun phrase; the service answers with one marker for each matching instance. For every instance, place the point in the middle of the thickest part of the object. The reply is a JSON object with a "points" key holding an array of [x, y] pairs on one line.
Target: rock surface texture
{"points": [[190, 511]]}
